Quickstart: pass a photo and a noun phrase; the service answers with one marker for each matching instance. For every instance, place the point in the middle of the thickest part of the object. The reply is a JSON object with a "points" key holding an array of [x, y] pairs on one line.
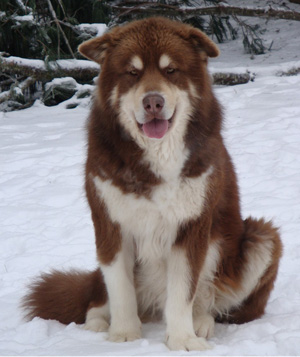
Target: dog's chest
{"points": [[153, 222]]}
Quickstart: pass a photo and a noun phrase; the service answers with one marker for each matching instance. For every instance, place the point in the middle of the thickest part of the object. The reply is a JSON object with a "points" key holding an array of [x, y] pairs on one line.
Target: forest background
{"points": [[39, 40]]}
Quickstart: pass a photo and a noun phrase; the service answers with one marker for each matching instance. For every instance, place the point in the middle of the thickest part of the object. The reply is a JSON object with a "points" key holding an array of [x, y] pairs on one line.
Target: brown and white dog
{"points": [[164, 198]]}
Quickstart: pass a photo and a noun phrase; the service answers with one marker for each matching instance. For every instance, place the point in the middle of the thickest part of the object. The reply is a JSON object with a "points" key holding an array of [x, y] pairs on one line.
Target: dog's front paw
{"points": [[190, 343], [204, 326], [123, 336], [125, 332]]}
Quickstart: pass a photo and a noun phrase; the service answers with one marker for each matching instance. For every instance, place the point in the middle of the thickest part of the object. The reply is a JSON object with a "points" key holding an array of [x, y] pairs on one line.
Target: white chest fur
{"points": [[152, 223]]}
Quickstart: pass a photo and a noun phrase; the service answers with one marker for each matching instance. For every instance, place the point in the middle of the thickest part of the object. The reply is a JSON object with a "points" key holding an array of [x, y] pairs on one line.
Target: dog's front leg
{"points": [[181, 287], [125, 324], [116, 257]]}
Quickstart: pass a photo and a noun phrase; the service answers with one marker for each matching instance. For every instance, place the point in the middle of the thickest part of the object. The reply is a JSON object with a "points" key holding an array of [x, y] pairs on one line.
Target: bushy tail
{"points": [[260, 239], [65, 296]]}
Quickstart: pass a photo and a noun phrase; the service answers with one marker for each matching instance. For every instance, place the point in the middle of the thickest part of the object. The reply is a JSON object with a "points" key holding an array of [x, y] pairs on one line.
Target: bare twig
{"points": [[59, 27]]}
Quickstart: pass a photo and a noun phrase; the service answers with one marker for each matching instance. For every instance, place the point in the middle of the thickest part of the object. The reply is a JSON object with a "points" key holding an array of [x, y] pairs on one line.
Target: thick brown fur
{"points": [[218, 246], [65, 296]]}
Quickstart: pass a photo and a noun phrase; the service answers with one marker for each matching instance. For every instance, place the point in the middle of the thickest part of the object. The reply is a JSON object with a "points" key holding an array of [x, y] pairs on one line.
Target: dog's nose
{"points": [[153, 103]]}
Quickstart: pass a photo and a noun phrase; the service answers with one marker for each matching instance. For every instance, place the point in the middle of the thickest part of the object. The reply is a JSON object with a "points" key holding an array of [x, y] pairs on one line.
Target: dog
{"points": [[164, 199]]}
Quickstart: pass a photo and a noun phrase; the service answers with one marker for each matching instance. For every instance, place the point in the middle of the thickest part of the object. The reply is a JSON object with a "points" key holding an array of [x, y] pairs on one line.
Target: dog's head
{"points": [[152, 73]]}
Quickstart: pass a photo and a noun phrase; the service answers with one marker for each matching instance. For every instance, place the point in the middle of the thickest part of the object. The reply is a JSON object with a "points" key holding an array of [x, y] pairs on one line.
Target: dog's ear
{"points": [[203, 42], [96, 48]]}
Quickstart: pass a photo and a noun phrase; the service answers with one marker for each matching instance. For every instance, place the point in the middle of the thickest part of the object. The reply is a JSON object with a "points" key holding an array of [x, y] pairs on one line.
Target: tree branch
{"points": [[221, 9]]}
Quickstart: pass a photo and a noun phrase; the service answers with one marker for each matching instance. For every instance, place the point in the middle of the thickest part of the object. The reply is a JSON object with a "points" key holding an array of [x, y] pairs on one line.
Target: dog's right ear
{"points": [[96, 48]]}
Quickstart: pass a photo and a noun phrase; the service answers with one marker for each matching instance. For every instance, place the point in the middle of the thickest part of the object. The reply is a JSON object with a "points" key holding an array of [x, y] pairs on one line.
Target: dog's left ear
{"points": [[203, 42], [96, 48]]}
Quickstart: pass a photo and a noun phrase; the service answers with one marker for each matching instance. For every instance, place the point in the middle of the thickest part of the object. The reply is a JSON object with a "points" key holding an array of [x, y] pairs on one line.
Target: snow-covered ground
{"points": [[45, 220]]}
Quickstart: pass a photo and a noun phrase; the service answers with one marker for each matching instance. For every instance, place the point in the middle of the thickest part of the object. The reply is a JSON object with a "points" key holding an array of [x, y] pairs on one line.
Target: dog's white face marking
{"points": [[137, 63], [164, 61]]}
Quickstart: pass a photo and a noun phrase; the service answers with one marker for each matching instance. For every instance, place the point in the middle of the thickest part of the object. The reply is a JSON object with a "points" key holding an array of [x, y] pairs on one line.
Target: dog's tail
{"points": [[65, 296], [261, 251]]}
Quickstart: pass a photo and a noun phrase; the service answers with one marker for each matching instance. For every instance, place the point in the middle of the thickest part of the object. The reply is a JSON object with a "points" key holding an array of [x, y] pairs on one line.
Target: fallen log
{"points": [[80, 70], [231, 79]]}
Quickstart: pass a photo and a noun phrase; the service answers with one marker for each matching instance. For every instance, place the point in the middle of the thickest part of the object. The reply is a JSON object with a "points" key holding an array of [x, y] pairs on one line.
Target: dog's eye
{"points": [[133, 72], [170, 70]]}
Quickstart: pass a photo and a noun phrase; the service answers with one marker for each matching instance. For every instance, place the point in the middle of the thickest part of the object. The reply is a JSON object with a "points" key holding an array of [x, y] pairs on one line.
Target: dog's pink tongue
{"points": [[156, 128]]}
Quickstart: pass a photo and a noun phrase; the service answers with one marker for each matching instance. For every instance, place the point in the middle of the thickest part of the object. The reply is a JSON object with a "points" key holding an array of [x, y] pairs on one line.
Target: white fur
{"points": [[179, 308], [137, 63], [258, 258], [131, 104], [165, 156], [97, 318], [205, 294], [114, 96], [151, 282], [125, 324], [153, 222], [164, 61]]}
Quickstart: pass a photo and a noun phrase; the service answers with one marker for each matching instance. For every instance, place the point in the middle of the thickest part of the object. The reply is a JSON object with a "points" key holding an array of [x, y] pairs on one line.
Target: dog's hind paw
{"points": [[191, 343], [96, 324], [204, 326]]}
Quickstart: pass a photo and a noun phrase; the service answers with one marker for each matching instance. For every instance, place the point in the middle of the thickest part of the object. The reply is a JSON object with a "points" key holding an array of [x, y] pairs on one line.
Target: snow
{"points": [[67, 81], [63, 64], [95, 28], [39, 64], [24, 18], [45, 219], [73, 63]]}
